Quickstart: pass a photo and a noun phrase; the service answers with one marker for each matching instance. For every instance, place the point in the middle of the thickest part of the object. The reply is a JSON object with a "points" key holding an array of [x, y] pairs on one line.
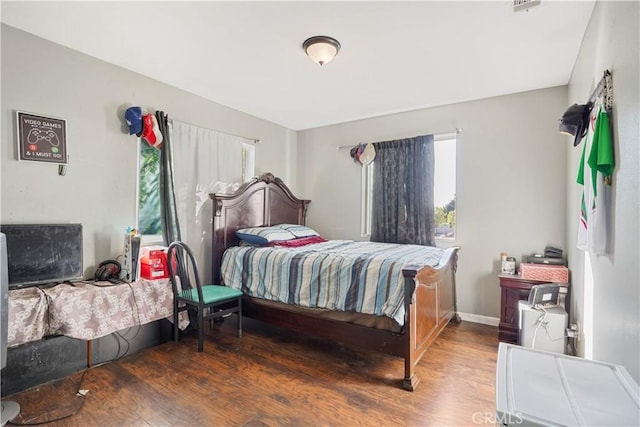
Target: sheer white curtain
{"points": [[205, 161]]}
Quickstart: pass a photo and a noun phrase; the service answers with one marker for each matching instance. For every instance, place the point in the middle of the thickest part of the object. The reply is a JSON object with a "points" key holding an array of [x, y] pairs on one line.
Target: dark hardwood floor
{"points": [[271, 377]]}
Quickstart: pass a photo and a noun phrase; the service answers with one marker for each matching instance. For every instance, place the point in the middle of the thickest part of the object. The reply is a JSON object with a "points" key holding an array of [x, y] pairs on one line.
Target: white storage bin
{"points": [[539, 388]]}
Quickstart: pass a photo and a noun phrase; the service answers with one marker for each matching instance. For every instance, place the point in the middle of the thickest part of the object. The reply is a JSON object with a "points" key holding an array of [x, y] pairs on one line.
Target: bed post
{"points": [[454, 266], [410, 381], [430, 303]]}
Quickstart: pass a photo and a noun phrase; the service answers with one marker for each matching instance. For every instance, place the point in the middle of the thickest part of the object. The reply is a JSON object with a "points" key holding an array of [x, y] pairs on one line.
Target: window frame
{"points": [[145, 239], [454, 138]]}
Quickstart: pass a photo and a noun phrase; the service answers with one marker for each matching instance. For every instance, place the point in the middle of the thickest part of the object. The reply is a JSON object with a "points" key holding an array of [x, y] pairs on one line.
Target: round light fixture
{"points": [[321, 49]]}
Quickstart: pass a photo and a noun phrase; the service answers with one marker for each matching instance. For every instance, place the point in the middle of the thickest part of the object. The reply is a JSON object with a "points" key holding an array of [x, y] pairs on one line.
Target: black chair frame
{"points": [[182, 264]]}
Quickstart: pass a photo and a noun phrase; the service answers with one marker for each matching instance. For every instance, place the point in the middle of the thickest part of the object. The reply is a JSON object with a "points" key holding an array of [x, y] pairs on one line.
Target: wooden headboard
{"points": [[263, 201]]}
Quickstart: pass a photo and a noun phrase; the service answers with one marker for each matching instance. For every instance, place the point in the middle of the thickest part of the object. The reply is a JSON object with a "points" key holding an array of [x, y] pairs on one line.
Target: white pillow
{"points": [[264, 235], [299, 230]]}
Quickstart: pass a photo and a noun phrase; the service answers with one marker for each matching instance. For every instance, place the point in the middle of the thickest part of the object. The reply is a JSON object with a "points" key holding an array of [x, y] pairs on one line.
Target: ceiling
{"points": [[396, 56]]}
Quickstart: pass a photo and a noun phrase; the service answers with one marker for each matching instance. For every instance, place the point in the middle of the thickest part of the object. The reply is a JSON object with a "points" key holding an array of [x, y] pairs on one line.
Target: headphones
{"points": [[108, 270]]}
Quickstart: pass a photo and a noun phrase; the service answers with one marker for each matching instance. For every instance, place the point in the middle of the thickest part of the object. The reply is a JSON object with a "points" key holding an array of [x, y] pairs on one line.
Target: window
{"points": [[248, 161], [444, 192], [444, 186], [149, 191]]}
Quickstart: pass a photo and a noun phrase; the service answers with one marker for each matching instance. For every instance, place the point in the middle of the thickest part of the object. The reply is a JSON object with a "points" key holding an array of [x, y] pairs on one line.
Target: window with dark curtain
{"points": [[403, 207]]}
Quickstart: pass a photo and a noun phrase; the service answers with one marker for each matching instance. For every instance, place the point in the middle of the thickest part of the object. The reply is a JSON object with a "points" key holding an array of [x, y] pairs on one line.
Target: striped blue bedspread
{"points": [[343, 275]]}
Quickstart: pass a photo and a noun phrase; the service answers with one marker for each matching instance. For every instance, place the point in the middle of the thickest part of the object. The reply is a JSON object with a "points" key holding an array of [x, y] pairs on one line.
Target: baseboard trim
{"points": [[477, 318]]}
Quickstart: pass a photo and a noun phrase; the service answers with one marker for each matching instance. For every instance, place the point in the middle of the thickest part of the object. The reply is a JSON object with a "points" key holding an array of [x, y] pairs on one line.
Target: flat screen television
{"points": [[43, 253]]}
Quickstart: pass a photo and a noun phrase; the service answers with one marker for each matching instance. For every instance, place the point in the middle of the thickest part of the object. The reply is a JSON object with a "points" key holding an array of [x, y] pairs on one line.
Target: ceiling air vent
{"points": [[520, 5]]}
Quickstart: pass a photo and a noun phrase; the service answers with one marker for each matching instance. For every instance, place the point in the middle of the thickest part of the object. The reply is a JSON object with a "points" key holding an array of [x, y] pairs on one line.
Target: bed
{"points": [[427, 292]]}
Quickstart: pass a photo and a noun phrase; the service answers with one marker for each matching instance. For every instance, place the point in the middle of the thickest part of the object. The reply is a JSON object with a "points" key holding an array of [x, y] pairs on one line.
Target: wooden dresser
{"points": [[514, 288]]}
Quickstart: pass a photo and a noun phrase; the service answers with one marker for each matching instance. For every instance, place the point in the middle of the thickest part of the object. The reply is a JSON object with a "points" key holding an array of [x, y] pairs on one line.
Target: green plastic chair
{"points": [[209, 301]]}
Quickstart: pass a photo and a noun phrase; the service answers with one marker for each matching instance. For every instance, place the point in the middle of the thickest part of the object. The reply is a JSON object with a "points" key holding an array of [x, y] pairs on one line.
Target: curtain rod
{"points": [[255, 140], [456, 131]]}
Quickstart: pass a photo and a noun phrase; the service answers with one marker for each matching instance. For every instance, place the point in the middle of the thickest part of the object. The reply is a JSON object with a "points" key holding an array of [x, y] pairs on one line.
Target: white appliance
{"points": [[543, 327]]}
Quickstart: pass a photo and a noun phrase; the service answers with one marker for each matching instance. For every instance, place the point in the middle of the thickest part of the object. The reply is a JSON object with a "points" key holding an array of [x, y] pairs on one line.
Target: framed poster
{"points": [[41, 138]]}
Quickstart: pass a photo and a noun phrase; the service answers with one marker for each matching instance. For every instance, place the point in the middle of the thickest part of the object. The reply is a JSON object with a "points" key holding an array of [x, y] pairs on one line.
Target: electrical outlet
{"points": [[573, 331]]}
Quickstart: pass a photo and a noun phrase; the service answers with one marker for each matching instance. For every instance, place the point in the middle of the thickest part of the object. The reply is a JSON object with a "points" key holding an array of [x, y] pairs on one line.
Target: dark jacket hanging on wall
{"points": [[403, 207]]}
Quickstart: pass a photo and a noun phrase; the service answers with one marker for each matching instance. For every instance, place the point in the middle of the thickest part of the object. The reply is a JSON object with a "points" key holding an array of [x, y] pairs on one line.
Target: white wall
{"points": [[611, 42], [99, 188], [510, 192]]}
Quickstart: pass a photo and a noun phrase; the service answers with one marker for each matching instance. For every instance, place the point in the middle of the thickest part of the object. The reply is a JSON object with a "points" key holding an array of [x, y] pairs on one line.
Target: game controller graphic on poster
{"points": [[41, 138]]}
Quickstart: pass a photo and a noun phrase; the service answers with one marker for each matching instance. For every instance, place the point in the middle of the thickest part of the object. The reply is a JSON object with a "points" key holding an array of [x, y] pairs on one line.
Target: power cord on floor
{"points": [[80, 392]]}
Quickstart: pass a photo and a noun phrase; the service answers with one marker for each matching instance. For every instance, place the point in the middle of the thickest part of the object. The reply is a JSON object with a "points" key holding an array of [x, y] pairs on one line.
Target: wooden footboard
{"points": [[430, 303], [429, 306]]}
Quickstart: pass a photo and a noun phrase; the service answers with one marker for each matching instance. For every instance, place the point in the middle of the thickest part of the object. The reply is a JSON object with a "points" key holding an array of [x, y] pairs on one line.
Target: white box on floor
{"points": [[543, 329], [539, 388]]}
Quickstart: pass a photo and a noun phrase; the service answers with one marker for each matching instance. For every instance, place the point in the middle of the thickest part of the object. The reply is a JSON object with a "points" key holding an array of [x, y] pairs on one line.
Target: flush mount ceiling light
{"points": [[321, 49]]}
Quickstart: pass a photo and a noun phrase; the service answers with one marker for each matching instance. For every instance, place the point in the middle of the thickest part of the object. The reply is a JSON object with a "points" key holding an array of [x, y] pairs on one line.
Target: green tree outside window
{"points": [[149, 197]]}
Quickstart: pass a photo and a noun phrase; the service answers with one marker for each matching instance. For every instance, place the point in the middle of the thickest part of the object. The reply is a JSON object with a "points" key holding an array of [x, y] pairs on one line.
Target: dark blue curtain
{"points": [[168, 211], [403, 210]]}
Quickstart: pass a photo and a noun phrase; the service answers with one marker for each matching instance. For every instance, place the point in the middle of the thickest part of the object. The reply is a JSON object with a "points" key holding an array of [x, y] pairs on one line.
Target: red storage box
{"points": [[153, 264], [544, 273]]}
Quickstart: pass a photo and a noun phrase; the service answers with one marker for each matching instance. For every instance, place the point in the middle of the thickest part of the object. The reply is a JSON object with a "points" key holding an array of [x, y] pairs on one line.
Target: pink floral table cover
{"points": [[86, 311]]}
